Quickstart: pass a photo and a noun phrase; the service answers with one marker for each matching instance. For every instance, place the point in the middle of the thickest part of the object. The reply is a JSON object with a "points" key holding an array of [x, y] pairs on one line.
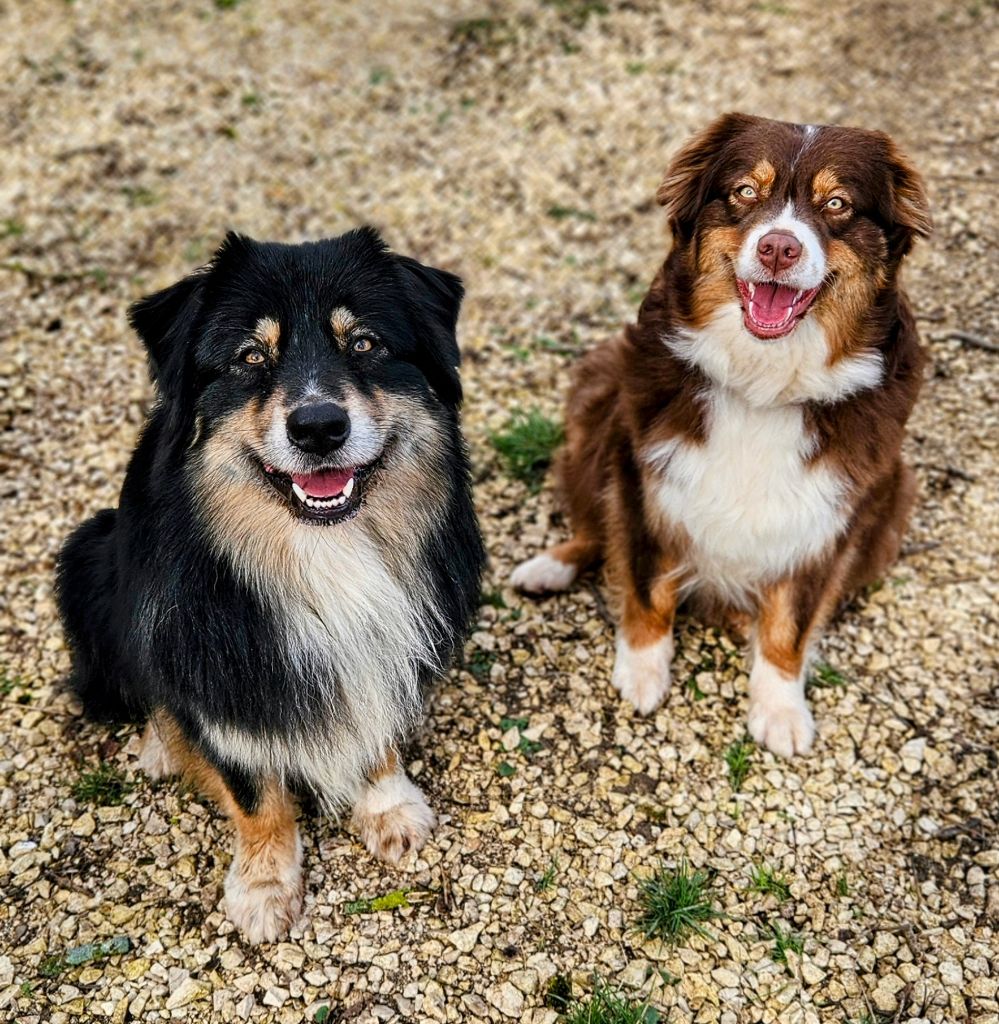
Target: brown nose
{"points": [[778, 250]]}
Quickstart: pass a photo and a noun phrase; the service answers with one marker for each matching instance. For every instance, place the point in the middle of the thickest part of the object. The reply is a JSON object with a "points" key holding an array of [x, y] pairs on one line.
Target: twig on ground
{"points": [[602, 608], [918, 549], [973, 340]]}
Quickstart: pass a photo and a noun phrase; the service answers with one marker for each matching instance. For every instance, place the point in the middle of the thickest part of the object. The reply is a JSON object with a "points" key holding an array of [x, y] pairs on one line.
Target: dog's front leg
{"points": [[263, 890], [645, 640], [791, 614], [391, 814]]}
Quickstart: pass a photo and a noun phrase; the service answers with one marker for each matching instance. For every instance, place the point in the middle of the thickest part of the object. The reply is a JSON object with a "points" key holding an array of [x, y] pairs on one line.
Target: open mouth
{"points": [[771, 310], [325, 496]]}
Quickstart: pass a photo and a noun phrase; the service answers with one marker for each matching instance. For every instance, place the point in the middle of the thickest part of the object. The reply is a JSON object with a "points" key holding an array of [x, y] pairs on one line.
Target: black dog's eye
{"points": [[363, 345], [253, 357]]}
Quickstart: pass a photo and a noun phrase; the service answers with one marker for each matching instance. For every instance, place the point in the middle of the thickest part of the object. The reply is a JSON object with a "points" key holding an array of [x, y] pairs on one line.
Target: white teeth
{"points": [[798, 296], [752, 289], [349, 489], [323, 504], [299, 493]]}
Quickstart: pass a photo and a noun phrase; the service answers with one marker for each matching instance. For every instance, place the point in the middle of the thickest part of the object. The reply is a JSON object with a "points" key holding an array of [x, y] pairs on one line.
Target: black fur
{"points": [[156, 617]]}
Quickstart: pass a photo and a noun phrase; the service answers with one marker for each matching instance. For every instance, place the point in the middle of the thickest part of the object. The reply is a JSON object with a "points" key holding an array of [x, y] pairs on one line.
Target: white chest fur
{"points": [[750, 502], [360, 640]]}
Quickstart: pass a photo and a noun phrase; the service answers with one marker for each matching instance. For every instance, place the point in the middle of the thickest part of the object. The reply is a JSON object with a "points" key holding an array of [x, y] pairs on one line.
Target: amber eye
{"points": [[363, 345], [836, 203], [254, 357], [746, 192]]}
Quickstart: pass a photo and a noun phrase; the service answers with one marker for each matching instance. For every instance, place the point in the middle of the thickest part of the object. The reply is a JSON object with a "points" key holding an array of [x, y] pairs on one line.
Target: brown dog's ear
{"points": [[688, 177], [909, 215]]}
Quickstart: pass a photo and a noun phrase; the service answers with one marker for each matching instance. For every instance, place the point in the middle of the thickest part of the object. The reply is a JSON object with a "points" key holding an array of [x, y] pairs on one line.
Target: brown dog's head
{"points": [[785, 219]]}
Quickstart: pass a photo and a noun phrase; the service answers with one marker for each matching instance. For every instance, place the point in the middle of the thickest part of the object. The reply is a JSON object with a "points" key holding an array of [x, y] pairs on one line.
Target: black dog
{"points": [[295, 557]]}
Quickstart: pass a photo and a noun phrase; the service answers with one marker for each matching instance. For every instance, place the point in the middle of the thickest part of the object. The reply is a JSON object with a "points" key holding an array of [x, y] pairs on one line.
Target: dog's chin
{"points": [[771, 310], [326, 496]]}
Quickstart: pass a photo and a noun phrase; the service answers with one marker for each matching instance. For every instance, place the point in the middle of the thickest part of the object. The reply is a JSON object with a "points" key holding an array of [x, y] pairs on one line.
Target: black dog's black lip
{"points": [[282, 483]]}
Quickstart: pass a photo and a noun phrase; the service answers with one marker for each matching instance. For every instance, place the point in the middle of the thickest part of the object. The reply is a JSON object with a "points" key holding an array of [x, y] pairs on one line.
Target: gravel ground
{"points": [[519, 145]]}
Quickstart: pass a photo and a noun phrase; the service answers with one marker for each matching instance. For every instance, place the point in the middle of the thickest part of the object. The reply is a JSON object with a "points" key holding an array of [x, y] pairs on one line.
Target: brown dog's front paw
{"points": [[779, 718], [641, 674], [392, 818]]}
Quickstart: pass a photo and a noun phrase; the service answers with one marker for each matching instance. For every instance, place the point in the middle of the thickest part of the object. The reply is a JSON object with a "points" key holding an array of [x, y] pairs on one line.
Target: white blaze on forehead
{"points": [[811, 132], [808, 272]]}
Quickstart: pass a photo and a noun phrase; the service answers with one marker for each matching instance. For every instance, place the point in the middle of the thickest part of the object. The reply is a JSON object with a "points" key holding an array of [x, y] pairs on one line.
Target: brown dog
{"points": [[740, 444]]}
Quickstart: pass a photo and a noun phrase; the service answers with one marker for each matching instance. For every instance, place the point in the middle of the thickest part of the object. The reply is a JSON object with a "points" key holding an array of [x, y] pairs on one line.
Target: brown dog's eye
{"points": [[835, 204], [746, 192], [254, 358], [363, 345]]}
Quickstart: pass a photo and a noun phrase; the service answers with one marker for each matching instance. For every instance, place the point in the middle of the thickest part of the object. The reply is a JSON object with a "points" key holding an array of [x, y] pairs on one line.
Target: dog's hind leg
{"points": [[263, 890], [556, 568], [86, 589], [391, 815], [155, 756]]}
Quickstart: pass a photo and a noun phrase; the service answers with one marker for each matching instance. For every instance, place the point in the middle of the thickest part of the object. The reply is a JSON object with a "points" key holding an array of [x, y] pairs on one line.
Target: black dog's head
{"points": [[298, 372]]}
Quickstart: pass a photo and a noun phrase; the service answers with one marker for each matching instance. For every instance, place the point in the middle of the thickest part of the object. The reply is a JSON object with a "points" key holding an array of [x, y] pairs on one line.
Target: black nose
{"points": [[319, 429]]}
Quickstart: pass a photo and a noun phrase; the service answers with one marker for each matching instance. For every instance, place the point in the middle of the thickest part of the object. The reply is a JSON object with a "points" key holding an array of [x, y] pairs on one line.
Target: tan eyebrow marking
{"points": [[268, 332], [343, 322], [764, 174], [824, 184]]}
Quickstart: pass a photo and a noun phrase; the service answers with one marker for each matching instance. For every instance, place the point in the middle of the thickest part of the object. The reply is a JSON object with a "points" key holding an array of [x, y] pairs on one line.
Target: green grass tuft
{"points": [[676, 902], [765, 880], [784, 940], [480, 663], [105, 786], [546, 879], [738, 757], [527, 444], [609, 1006], [824, 676], [841, 886]]}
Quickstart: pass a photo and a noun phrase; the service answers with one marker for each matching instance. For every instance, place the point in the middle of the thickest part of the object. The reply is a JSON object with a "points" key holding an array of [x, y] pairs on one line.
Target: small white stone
{"points": [[507, 999], [465, 938], [84, 825], [188, 991]]}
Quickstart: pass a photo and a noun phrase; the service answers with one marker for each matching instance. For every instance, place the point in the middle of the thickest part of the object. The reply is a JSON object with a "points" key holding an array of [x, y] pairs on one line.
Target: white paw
{"points": [[392, 817], [263, 897], [779, 718], [155, 758], [641, 674], [542, 573], [786, 729]]}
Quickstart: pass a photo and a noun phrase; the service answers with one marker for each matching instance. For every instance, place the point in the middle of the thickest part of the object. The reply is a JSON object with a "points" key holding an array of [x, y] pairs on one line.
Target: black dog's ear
{"points": [[163, 321], [436, 296], [688, 177]]}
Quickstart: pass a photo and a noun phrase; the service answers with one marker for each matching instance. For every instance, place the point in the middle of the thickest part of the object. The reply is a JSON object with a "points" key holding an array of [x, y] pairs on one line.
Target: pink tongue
{"points": [[325, 484], [771, 302]]}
